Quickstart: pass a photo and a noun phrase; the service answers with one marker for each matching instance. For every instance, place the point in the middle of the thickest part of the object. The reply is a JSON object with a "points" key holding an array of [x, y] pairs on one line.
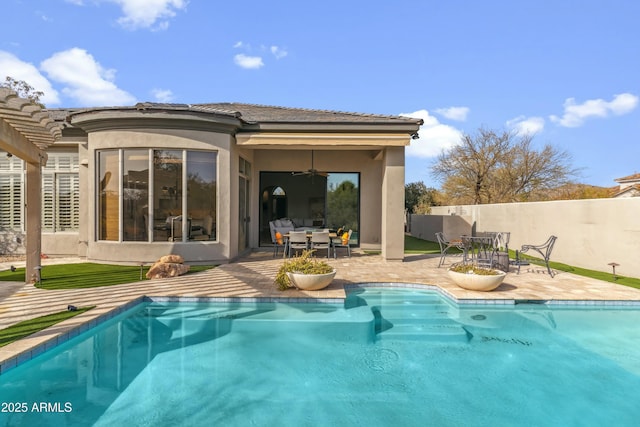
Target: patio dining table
{"points": [[486, 250]]}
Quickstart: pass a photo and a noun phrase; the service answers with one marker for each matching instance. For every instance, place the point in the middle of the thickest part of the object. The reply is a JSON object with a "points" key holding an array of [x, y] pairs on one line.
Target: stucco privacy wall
{"points": [[426, 226], [591, 233]]}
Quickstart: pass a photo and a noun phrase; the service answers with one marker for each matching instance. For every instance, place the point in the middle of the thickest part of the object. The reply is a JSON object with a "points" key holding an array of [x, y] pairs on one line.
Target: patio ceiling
{"points": [[26, 130]]}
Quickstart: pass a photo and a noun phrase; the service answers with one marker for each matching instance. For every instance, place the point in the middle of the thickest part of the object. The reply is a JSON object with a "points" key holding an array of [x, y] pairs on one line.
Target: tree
{"points": [[493, 167], [418, 198], [24, 90], [342, 205]]}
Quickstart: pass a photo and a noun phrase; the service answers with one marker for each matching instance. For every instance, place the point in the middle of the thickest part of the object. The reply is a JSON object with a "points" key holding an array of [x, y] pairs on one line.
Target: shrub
{"points": [[304, 264], [472, 269]]}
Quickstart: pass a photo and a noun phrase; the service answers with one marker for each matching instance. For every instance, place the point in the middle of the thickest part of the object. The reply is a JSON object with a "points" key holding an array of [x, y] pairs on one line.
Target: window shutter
{"points": [[48, 207], [68, 209], [10, 202]]}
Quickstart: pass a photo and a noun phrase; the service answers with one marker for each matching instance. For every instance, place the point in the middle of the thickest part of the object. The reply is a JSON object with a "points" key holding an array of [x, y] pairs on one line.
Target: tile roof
{"points": [[256, 114], [634, 177], [634, 188]]}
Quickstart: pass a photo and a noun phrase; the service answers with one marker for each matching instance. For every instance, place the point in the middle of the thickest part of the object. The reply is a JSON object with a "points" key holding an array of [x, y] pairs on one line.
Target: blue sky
{"points": [[568, 71]]}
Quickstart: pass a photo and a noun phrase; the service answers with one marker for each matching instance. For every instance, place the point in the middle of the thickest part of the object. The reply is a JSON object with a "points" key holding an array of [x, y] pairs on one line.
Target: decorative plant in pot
{"points": [[475, 278], [304, 272]]}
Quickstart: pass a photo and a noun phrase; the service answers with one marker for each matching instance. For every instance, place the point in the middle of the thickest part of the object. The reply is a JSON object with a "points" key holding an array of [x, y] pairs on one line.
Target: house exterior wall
{"points": [[275, 139], [591, 233], [393, 204]]}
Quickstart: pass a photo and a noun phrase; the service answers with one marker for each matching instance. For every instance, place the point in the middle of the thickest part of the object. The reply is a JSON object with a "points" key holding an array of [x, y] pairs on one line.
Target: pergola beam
{"points": [[26, 131], [15, 142]]}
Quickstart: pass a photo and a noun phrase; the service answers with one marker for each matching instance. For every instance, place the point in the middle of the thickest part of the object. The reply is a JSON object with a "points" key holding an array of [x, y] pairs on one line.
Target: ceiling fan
{"points": [[312, 171]]}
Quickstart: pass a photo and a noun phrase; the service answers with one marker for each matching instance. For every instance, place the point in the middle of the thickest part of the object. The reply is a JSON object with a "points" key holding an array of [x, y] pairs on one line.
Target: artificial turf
{"points": [[31, 326], [86, 275]]}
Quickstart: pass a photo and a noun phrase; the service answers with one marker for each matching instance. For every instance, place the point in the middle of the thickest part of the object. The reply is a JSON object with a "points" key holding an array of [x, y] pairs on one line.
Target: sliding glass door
{"points": [[324, 200]]}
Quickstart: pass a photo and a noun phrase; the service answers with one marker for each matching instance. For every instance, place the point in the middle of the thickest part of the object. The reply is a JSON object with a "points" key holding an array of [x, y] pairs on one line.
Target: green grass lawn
{"points": [[31, 326], [86, 275], [600, 275]]}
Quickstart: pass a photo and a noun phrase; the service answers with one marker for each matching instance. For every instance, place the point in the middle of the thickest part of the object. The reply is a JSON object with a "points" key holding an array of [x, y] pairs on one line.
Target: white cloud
{"points": [[576, 114], [153, 14], [238, 45], [526, 125], [86, 81], [454, 113], [147, 13], [162, 95], [434, 136], [278, 52], [13, 67], [248, 62]]}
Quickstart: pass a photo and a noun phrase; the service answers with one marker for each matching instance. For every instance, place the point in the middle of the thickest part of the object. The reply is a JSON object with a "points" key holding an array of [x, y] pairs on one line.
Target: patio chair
{"points": [[321, 240], [501, 250], [544, 250], [341, 242], [445, 245], [297, 240]]}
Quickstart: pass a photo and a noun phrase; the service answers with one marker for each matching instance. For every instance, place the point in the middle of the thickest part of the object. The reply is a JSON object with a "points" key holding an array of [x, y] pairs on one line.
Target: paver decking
{"points": [[252, 276]]}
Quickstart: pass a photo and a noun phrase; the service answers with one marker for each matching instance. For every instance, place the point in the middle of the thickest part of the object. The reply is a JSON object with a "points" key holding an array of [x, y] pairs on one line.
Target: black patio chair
{"points": [[445, 245], [544, 250]]}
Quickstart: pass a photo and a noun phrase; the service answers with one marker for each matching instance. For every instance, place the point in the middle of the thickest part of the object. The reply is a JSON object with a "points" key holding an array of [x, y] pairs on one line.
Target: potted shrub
{"points": [[472, 277], [304, 272]]}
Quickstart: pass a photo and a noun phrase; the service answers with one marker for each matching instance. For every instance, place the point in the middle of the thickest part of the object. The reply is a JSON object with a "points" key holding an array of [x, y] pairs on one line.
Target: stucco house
{"points": [[130, 184], [629, 186]]}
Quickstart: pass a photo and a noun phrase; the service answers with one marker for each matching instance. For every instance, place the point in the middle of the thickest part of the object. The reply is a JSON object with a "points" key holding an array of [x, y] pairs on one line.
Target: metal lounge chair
{"points": [[544, 250]]}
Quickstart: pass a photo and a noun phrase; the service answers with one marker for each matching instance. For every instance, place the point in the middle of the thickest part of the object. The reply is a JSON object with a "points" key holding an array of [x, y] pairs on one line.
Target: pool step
{"points": [[416, 316], [425, 332]]}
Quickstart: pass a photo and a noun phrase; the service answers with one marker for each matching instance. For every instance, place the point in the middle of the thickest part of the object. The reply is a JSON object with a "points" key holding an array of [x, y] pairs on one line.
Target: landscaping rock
{"points": [[167, 266]]}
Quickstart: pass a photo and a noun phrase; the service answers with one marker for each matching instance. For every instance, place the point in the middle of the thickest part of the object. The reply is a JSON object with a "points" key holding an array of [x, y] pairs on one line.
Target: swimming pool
{"points": [[385, 357]]}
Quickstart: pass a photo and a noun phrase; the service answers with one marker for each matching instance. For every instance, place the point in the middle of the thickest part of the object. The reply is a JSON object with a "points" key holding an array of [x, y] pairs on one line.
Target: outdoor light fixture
{"points": [[614, 265]]}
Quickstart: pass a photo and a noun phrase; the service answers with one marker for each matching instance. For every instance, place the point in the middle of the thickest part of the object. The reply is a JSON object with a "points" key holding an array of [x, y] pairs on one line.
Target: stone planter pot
{"points": [[477, 282], [311, 282]]}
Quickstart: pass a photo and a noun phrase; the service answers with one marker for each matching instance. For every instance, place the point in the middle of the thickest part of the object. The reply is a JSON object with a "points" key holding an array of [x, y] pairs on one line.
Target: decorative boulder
{"points": [[171, 259], [167, 266]]}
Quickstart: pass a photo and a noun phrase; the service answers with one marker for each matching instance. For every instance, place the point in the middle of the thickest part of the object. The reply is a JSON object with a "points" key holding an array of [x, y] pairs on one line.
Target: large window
{"points": [[108, 195], [60, 193], [157, 195]]}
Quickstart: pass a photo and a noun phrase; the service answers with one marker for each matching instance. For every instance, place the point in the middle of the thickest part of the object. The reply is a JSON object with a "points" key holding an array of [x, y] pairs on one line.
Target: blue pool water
{"points": [[387, 357]]}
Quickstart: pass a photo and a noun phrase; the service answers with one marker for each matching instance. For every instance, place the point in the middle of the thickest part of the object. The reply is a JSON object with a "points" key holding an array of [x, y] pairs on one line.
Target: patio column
{"points": [[392, 233], [33, 221]]}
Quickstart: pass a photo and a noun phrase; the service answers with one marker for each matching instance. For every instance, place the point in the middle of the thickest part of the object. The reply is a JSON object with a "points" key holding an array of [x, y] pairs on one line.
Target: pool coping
{"points": [[26, 349]]}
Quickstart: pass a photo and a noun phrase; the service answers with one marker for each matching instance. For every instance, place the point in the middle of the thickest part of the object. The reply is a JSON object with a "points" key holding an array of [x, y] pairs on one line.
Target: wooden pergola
{"points": [[26, 131]]}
